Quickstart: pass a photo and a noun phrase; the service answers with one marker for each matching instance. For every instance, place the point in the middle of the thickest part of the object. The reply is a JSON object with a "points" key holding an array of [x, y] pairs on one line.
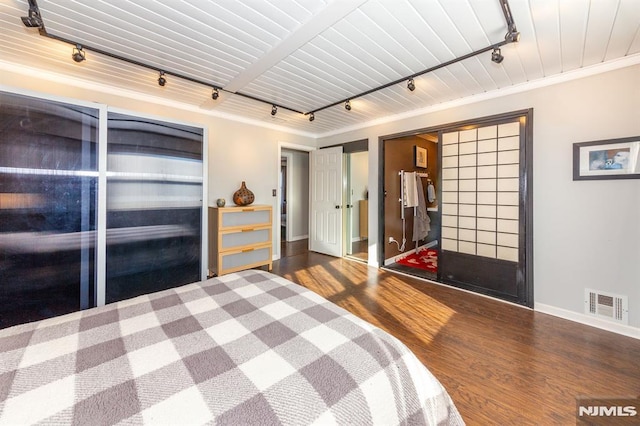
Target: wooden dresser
{"points": [[239, 238]]}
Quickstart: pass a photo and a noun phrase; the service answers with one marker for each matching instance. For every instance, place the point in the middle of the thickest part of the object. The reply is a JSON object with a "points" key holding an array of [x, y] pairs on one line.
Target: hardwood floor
{"points": [[501, 364]]}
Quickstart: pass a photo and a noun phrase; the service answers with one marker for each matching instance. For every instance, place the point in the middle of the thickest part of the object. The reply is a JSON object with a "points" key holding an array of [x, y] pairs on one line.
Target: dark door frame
{"points": [[524, 274]]}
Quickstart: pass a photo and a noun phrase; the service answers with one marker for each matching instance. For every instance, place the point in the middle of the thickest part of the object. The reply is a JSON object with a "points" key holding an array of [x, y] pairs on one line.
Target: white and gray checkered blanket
{"points": [[246, 348]]}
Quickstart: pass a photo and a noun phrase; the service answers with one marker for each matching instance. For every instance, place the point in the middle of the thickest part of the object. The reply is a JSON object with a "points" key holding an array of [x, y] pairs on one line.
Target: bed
{"points": [[246, 348]]}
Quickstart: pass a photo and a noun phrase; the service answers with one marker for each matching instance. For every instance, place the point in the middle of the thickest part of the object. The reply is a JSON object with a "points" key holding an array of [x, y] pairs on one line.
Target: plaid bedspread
{"points": [[246, 348]]}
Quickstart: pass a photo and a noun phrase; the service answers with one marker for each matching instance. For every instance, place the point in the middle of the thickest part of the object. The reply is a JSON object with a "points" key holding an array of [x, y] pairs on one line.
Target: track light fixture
{"points": [[161, 80], [347, 105], [78, 54], [496, 56], [274, 110], [411, 85], [312, 116], [34, 20], [215, 94], [513, 36]]}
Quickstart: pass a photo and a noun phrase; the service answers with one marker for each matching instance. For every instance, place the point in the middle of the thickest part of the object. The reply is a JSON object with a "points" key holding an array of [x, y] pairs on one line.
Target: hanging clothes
{"points": [[410, 191], [431, 191], [421, 220]]}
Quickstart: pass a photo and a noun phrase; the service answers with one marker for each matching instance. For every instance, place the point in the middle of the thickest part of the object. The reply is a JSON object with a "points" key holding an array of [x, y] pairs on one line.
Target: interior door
{"points": [[325, 181], [486, 209]]}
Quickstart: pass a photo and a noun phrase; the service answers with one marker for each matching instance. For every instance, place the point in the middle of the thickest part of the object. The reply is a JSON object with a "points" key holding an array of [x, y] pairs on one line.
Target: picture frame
{"points": [[420, 156], [607, 159]]}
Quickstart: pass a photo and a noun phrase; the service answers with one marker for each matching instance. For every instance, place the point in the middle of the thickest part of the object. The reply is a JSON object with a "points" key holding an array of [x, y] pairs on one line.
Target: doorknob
{"points": [[337, 207]]}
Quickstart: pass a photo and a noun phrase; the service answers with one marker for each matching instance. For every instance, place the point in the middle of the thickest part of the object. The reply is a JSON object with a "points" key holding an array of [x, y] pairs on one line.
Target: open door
{"points": [[325, 182]]}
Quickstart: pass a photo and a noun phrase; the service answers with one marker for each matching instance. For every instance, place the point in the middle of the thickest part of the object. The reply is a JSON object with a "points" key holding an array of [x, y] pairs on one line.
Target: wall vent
{"points": [[608, 306]]}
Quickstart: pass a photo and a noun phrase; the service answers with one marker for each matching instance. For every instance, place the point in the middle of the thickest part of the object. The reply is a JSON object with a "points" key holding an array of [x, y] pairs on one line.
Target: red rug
{"points": [[425, 259]]}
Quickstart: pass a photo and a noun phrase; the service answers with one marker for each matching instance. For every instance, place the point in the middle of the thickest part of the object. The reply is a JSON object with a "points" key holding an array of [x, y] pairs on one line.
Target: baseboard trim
{"points": [[298, 238], [625, 330]]}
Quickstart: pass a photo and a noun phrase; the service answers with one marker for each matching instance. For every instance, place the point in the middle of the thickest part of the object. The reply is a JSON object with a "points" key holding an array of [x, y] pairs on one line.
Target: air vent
{"points": [[606, 305]]}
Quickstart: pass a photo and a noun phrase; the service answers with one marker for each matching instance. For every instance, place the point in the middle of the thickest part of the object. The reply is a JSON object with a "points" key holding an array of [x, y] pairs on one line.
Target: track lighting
{"points": [[161, 80], [78, 54], [34, 20], [496, 56]]}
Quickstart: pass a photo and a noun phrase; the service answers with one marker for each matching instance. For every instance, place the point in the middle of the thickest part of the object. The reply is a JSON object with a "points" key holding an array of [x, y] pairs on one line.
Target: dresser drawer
{"points": [[243, 217], [244, 259], [247, 237]]}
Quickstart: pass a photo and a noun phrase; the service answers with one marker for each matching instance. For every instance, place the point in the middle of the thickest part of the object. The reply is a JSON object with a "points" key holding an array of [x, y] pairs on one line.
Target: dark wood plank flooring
{"points": [[502, 364]]}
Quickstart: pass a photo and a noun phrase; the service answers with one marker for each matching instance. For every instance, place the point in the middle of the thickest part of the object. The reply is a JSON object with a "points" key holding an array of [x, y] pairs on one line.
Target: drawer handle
{"points": [[248, 229], [248, 210], [249, 249]]}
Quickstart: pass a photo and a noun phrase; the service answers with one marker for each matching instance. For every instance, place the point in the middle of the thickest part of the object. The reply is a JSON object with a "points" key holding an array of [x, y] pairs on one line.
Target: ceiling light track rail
{"points": [[162, 70], [412, 76], [34, 20]]}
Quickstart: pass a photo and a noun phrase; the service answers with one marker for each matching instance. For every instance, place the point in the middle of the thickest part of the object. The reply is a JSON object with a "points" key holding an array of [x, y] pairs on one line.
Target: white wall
{"points": [[586, 233]]}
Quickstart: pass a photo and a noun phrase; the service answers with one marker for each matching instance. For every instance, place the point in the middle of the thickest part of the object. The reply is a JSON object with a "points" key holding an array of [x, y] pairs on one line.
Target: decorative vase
{"points": [[243, 197], [220, 202]]}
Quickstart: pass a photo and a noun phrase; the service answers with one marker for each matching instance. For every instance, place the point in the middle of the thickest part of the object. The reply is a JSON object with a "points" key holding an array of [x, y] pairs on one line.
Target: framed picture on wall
{"points": [[607, 159], [420, 155]]}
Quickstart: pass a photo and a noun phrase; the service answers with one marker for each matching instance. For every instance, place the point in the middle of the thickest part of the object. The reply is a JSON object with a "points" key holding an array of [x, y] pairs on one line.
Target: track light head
{"points": [[347, 105], [411, 85], [274, 110], [34, 20], [215, 94], [161, 80], [78, 54], [312, 116], [496, 56], [513, 36]]}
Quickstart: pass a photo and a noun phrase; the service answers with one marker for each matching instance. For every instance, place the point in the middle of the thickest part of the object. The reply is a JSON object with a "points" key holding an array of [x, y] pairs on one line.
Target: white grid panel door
{"points": [[481, 191]]}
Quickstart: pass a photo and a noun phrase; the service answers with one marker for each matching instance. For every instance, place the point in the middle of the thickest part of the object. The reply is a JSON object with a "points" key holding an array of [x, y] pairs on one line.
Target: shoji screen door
{"points": [[484, 215]]}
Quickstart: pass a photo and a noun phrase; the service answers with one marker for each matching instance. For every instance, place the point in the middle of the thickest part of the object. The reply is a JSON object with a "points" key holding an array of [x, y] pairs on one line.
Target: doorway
{"points": [[412, 227], [291, 212], [356, 193], [339, 200], [484, 217]]}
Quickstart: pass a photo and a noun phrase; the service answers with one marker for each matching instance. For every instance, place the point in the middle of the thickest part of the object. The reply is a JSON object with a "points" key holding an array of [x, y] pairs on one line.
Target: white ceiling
{"points": [[307, 54]]}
